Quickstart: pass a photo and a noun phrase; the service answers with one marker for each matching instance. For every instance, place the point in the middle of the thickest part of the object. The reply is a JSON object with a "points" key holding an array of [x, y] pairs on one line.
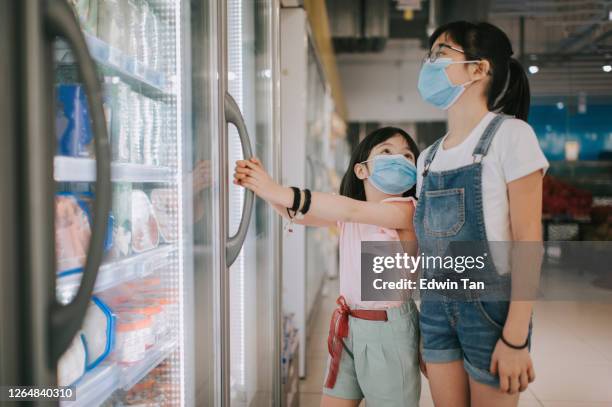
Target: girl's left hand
{"points": [[251, 174], [514, 367]]}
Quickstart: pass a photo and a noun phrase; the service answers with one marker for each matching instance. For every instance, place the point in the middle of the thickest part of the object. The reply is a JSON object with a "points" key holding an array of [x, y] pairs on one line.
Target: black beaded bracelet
{"points": [[307, 199], [508, 344], [296, 199]]}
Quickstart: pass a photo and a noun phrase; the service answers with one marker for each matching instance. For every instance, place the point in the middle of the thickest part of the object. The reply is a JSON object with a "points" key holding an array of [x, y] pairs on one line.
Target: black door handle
{"points": [[66, 320]]}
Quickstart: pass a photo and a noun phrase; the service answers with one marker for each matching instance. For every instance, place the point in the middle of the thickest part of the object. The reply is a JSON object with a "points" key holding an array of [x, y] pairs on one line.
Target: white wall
{"points": [[383, 87]]}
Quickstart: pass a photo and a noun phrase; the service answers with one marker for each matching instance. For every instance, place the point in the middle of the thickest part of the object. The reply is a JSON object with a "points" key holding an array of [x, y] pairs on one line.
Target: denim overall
{"points": [[457, 324]]}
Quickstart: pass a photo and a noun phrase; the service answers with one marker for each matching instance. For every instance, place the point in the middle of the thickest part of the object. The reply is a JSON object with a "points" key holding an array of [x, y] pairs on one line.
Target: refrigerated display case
{"points": [[115, 127], [138, 47]]}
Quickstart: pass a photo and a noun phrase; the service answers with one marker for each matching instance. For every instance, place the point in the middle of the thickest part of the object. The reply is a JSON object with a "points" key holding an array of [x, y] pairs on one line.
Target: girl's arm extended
{"points": [[307, 220], [325, 206]]}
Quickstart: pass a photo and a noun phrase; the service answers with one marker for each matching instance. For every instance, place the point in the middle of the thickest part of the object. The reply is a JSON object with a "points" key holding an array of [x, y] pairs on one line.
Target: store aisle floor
{"points": [[572, 352]]}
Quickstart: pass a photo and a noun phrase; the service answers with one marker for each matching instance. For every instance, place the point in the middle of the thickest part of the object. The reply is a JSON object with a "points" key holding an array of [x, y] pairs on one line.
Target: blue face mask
{"points": [[434, 85], [392, 174]]}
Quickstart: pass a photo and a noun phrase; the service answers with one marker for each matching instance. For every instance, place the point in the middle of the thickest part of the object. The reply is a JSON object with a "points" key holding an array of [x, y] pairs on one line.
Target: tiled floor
{"points": [[572, 353]]}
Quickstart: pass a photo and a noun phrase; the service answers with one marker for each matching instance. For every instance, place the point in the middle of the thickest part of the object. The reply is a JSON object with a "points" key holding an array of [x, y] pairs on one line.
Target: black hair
{"points": [[485, 41], [353, 187]]}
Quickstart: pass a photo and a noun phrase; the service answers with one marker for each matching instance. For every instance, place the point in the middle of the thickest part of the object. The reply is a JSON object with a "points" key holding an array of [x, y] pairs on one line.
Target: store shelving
{"points": [[126, 66], [114, 273], [98, 385], [95, 387], [130, 375], [72, 169]]}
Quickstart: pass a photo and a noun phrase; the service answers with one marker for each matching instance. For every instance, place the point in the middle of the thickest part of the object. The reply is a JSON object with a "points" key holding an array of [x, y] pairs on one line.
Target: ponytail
{"points": [[515, 98], [508, 90]]}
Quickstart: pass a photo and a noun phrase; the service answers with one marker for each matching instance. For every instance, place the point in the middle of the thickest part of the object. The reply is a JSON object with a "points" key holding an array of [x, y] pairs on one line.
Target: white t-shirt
{"points": [[513, 153]]}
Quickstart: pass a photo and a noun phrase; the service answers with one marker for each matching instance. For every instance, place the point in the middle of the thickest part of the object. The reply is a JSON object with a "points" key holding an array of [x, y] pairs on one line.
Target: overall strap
{"points": [[484, 143], [431, 154]]}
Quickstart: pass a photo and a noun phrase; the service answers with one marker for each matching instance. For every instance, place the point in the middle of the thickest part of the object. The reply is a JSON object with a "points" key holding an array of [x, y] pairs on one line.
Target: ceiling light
{"points": [[560, 105], [533, 69], [607, 68]]}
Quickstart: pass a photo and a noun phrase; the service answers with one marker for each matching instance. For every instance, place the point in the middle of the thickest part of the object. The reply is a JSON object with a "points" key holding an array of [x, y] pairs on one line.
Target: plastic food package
{"points": [[133, 334], [72, 232], [151, 310], [145, 229], [165, 206], [112, 23], [136, 127], [118, 99], [72, 365], [73, 127], [98, 332], [122, 213]]}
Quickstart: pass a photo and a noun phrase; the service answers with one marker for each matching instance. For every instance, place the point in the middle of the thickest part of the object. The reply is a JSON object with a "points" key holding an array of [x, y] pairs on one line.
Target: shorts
{"points": [[465, 330], [384, 368]]}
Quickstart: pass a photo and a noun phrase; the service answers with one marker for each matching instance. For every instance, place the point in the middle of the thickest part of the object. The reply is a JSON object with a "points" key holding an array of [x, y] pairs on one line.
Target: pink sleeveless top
{"points": [[351, 236]]}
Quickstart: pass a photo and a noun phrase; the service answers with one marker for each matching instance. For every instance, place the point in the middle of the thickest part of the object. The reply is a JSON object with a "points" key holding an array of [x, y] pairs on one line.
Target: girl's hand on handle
{"points": [[514, 367], [251, 174]]}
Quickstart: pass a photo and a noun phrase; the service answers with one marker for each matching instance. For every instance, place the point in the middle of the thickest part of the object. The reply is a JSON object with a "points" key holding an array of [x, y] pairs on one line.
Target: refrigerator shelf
{"points": [[95, 387], [99, 384], [114, 273], [72, 169], [130, 375], [127, 67]]}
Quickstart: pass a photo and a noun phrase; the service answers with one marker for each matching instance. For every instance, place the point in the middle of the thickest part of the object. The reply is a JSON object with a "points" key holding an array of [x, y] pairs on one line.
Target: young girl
{"points": [[481, 182], [373, 344]]}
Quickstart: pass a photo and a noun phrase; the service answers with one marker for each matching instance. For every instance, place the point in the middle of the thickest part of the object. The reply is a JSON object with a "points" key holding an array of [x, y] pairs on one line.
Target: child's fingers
{"points": [[256, 161], [243, 170], [241, 163]]}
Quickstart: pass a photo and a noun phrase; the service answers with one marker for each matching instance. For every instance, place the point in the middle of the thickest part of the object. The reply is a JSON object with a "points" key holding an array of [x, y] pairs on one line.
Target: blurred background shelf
{"points": [[116, 272], [71, 169]]}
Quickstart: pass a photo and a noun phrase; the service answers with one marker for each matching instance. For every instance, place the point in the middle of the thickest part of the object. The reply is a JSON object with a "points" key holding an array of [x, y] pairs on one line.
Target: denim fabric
{"points": [[459, 325]]}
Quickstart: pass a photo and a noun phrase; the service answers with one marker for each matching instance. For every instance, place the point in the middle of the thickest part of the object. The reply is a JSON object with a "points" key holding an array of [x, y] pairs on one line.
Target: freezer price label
{"points": [[34, 393]]}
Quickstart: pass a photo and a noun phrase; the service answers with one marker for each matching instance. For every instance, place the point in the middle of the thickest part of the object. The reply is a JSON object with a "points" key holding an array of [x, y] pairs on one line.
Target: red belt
{"points": [[339, 329]]}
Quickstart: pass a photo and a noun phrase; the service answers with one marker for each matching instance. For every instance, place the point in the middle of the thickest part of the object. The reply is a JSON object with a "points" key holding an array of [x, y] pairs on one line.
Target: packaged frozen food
{"points": [[72, 364], [117, 95], [87, 11], [122, 213], [73, 127], [112, 26], [148, 146], [72, 232], [86, 201], [150, 309], [136, 127], [145, 229], [144, 50], [98, 332], [165, 206], [133, 333]]}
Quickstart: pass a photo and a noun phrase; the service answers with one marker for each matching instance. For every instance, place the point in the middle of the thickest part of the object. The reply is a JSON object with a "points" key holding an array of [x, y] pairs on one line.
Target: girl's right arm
{"points": [[307, 220], [325, 206]]}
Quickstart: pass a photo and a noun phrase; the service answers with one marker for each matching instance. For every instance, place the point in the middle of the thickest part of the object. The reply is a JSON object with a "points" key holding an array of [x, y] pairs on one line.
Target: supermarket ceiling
{"points": [[565, 44]]}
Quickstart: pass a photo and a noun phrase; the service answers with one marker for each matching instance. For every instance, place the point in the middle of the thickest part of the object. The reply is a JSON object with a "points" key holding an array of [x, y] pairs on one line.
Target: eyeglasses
{"points": [[434, 54]]}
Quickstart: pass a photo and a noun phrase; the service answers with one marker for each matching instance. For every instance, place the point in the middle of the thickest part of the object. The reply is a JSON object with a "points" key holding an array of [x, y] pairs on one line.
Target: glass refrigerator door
{"points": [[131, 349], [252, 275]]}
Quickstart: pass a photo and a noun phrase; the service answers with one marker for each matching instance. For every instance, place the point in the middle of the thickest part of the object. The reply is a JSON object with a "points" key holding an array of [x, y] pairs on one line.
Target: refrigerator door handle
{"points": [[234, 243], [66, 320]]}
